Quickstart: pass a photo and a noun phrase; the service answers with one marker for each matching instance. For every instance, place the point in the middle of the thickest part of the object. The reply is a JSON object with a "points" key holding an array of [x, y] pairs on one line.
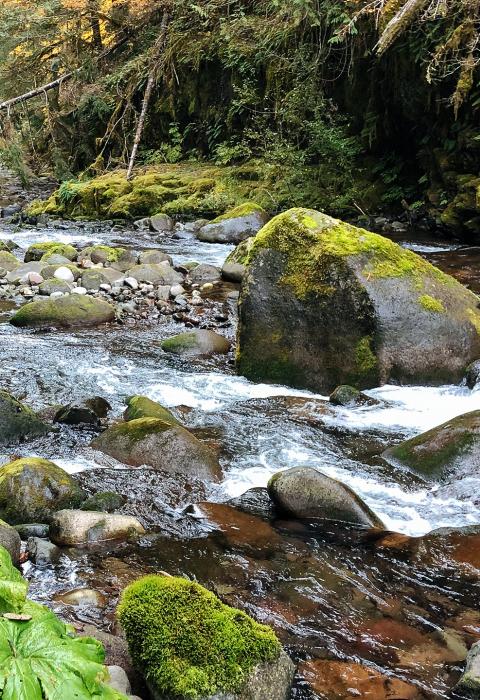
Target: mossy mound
{"points": [[8, 261], [187, 643], [143, 407], [325, 303], [17, 421], [31, 489], [450, 449], [37, 251], [159, 444], [64, 312]]}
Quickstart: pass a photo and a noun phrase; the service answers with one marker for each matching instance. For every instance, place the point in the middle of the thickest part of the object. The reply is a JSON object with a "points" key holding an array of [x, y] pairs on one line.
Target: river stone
{"points": [[55, 259], [82, 597], [65, 274], [21, 272], [204, 273], [196, 343], [8, 261], [32, 488], [42, 552], [143, 407], [305, 493], [234, 226], [345, 395], [17, 421], [158, 444], [450, 449], [75, 527], [93, 279], [161, 223], [162, 273], [49, 271], [76, 415], [26, 530], [11, 541], [149, 257], [472, 374], [233, 268], [469, 683], [255, 501], [325, 303], [112, 275], [64, 312], [98, 405], [36, 251], [53, 285]]}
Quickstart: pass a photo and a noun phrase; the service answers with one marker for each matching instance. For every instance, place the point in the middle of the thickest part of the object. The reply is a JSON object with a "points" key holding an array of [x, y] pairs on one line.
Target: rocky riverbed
{"points": [[391, 614]]}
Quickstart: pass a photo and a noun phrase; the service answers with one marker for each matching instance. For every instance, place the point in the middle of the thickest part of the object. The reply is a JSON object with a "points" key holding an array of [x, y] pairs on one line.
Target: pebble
{"points": [[177, 290], [63, 273], [131, 282], [57, 295], [34, 278], [79, 290], [181, 301], [106, 287], [208, 286], [163, 293]]}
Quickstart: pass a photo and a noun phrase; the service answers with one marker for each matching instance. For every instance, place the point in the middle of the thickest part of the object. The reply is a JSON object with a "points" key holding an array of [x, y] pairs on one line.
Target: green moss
{"points": [[179, 343], [64, 312], [143, 407], [186, 642], [111, 254], [365, 359], [431, 304], [240, 254], [242, 210], [39, 251], [139, 428]]}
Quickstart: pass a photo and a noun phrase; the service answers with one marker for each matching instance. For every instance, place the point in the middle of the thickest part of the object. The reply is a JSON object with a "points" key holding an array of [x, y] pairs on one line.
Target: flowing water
{"points": [[328, 600]]}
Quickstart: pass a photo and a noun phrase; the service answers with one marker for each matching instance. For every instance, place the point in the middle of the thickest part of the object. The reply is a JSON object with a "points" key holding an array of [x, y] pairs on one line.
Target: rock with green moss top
{"points": [[159, 444], [120, 259], [104, 502], [93, 279], [65, 312], [17, 421], [235, 225], [345, 395], [48, 271], [36, 251], [233, 268], [449, 450], [143, 407], [31, 489], [53, 285], [305, 493], [196, 343], [8, 261], [191, 646], [10, 539], [325, 303]]}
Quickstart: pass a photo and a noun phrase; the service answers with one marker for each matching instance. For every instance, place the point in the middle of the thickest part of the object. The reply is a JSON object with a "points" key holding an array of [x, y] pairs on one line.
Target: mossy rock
{"points": [[17, 421], [8, 261], [233, 268], [52, 285], [37, 251], [449, 450], [161, 445], [65, 312], [196, 343], [235, 225], [104, 502], [188, 644], [117, 258], [143, 407], [325, 303], [48, 271], [31, 489]]}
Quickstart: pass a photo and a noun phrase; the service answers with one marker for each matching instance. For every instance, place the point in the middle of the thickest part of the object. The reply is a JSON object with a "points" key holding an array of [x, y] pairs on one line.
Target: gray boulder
{"points": [[325, 303], [17, 421], [235, 225], [196, 343], [153, 257], [161, 223], [305, 493], [161, 445], [204, 273], [64, 312], [82, 527], [92, 279], [11, 541], [53, 285], [161, 273]]}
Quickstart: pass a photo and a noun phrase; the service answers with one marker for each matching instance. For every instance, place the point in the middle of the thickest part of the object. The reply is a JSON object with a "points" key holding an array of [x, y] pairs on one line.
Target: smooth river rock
{"points": [[324, 303], [196, 343], [81, 527], [17, 421], [305, 493], [64, 312], [234, 226]]}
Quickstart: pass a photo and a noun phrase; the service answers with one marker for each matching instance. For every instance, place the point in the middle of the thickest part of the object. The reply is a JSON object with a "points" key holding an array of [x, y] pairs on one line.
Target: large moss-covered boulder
{"points": [[64, 312], [450, 449], [159, 444], [38, 250], [325, 303], [188, 644], [31, 489], [17, 421], [235, 225], [143, 407], [305, 493]]}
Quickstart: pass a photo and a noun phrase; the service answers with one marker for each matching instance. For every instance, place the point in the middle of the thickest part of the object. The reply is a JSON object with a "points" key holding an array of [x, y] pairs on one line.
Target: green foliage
{"points": [[186, 642], [40, 657]]}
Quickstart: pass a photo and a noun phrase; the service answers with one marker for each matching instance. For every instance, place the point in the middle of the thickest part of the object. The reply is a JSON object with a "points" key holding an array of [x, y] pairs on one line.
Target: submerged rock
{"points": [[74, 527], [255, 501], [143, 407], [159, 444], [450, 449], [64, 312], [305, 493], [17, 421], [196, 343], [199, 647], [235, 225], [325, 303], [346, 395], [32, 488]]}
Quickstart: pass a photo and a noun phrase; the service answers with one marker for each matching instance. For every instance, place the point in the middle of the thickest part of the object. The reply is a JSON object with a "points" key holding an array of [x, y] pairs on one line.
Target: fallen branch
{"points": [[37, 91]]}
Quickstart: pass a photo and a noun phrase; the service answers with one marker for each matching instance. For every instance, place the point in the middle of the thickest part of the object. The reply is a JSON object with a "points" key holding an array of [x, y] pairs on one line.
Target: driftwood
{"points": [[399, 22], [152, 78]]}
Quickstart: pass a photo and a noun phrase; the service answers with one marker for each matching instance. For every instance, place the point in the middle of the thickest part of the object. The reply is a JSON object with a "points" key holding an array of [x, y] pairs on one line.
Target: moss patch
{"points": [[143, 407], [186, 642], [241, 210], [431, 304], [37, 251]]}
